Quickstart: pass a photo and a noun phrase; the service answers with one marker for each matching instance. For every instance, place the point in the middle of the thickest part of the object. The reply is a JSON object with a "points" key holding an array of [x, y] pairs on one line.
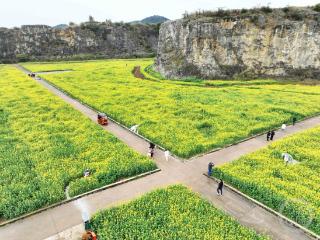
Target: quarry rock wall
{"points": [[40, 42], [250, 46]]}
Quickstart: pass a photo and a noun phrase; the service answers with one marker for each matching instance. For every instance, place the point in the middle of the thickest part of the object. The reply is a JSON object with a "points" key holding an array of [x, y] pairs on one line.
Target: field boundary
{"points": [[121, 182], [279, 215], [54, 71]]}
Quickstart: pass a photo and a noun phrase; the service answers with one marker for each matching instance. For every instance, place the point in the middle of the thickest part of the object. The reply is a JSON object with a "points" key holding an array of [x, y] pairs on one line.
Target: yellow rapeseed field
{"points": [[171, 213], [293, 190], [186, 117], [45, 146]]}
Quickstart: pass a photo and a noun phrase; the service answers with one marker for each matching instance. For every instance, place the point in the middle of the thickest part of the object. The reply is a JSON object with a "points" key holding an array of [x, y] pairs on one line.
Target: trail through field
{"points": [[53, 72], [57, 223]]}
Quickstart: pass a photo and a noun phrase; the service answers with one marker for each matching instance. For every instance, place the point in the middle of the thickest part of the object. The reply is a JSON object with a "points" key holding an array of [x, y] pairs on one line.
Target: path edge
{"points": [[277, 214], [80, 196]]}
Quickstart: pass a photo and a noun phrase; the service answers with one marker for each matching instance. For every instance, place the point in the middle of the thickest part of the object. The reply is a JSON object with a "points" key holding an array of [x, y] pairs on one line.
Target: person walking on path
{"points": [[220, 187], [210, 167], [152, 145], [273, 133], [151, 149], [294, 120], [167, 155], [151, 152], [268, 135], [283, 127]]}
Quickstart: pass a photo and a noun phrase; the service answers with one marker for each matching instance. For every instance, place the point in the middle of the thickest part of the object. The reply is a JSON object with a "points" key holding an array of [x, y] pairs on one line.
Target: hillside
{"points": [[151, 20], [154, 20]]}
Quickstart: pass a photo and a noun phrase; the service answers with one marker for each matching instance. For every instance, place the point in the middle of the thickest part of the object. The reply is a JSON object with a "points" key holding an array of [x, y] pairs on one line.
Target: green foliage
{"points": [[169, 112], [292, 190], [22, 57], [171, 213], [46, 145], [153, 73], [266, 9], [286, 9], [244, 11], [316, 8]]}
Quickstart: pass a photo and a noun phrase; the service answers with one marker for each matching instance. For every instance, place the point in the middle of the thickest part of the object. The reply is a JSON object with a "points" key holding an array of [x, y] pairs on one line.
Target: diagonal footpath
{"points": [[61, 221]]}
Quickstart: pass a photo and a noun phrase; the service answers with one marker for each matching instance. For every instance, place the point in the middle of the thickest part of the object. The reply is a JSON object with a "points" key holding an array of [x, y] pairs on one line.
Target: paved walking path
{"points": [[65, 222]]}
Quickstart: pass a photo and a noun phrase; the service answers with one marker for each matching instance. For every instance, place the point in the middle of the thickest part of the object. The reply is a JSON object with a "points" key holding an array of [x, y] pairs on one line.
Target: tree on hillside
{"points": [[317, 7]]}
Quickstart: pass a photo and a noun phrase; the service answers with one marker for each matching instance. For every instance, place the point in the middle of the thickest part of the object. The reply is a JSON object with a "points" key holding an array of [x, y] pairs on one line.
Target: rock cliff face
{"points": [[91, 39], [244, 46]]}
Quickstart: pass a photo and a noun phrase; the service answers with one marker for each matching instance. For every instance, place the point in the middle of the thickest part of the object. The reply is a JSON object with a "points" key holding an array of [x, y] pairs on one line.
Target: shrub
{"points": [[266, 9], [22, 57], [243, 11], [286, 9]]}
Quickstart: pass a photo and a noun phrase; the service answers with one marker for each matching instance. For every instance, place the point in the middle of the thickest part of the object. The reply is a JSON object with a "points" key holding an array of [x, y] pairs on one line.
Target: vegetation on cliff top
{"points": [[291, 13]]}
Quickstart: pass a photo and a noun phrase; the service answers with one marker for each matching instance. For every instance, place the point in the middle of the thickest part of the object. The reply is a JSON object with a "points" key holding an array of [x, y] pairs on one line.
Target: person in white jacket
{"points": [[288, 159], [167, 155], [134, 128]]}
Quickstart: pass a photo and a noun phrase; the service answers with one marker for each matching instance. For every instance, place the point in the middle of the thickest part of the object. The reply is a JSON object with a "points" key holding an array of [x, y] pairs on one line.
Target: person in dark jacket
{"points": [[210, 167], [220, 187], [151, 152], [152, 145], [294, 120], [268, 135], [273, 133]]}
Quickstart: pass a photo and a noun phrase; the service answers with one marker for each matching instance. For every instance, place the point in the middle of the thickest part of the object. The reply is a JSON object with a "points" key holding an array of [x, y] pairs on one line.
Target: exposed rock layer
{"points": [[250, 46], [42, 42]]}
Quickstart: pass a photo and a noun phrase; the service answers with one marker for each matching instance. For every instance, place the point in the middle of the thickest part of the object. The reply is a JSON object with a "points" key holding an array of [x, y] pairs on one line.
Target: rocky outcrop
{"points": [[107, 40], [255, 44]]}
